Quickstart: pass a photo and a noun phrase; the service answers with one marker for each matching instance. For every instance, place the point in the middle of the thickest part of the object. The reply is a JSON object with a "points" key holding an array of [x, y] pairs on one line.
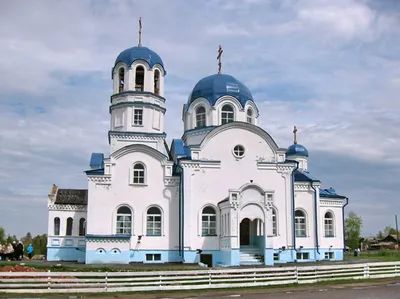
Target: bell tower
{"points": [[137, 104]]}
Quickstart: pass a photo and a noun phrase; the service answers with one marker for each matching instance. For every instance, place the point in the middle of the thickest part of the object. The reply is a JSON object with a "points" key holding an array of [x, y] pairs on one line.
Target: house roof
{"points": [[71, 197]]}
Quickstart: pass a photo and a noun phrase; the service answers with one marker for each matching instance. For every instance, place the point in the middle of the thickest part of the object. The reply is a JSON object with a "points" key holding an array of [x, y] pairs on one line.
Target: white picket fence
{"points": [[90, 282]]}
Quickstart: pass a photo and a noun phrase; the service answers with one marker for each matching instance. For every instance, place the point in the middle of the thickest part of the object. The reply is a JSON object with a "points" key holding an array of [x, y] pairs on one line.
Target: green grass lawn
{"points": [[379, 256]]}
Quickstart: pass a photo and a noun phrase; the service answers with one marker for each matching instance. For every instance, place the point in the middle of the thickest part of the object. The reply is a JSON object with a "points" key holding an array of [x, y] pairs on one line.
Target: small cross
{"points": [[219, 59], [140, 32], [295, 135]]}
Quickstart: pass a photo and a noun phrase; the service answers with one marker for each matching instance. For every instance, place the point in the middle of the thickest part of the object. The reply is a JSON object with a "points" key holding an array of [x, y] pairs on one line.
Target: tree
{"points": [[2, 235], [27, 239], [39, 244], [389, 231], [11, 239], [353, 225]]}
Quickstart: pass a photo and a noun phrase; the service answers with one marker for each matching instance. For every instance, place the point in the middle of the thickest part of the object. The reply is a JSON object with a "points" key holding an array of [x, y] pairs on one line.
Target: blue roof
{"points": [[297, 150], [116, 236], [215, 86], [304, 176], [128, 56], [331, 193], [99, 171], [97, 161], [179, 150]]}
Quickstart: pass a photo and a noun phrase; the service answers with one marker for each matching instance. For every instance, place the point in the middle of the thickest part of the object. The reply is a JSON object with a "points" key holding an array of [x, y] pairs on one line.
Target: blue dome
{"points": [[297, 150], [215, 86], [128, 56]]}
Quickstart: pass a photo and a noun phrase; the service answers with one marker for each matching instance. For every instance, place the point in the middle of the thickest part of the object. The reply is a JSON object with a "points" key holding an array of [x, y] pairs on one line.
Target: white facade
{"points": [[224, 194]]}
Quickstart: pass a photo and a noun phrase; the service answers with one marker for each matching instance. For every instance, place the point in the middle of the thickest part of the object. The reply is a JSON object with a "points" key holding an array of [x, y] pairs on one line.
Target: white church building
{"points": [[224, 193]]}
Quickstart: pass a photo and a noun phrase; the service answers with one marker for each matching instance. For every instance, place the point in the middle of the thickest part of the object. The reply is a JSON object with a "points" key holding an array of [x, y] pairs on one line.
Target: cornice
{"points": [[136, 103], [172, 181], [331, 202], [136, 135], [107, 240], [102, 179], [197, 132], [58, 207], [286, 169], [302, 187], [136, 93], [189, 164]]}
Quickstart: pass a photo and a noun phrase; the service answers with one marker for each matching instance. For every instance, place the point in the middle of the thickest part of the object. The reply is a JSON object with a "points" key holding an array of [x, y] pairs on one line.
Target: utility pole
{"points": [[397, 233]]}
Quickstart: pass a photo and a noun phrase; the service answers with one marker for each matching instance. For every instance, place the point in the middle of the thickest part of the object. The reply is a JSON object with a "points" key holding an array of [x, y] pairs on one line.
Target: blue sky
{"points": [[330, 67]]}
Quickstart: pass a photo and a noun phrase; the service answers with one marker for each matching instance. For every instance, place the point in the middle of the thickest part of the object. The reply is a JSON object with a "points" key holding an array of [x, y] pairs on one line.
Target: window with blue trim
{"points": [[139, 80], [249, 116], [209, 222], [70, 222], [157, 82], [138, 173], [227, 114], [274, 223], [121, 81], [300, 224], [200, 117], [56, 226], [328, 221], [124, 220], [154, 219], [82, 227]]}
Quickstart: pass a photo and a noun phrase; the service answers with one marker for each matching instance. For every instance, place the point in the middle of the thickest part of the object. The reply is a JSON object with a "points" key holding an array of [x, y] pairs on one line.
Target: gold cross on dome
{"points": [[140, 32], [220, 51], [295, 135]]}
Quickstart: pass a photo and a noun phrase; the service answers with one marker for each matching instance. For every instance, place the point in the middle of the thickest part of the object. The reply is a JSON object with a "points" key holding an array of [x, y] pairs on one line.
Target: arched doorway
{"points": [[251, 232], [245, 232]]}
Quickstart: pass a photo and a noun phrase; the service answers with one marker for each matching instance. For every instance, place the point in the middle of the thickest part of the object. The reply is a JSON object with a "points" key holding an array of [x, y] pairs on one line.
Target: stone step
{"points": [[251, 263], [250, 255]]}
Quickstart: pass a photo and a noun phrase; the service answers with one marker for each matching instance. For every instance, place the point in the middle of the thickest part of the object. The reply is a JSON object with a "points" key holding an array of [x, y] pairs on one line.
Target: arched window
{"points": [[274, 223], [209, 222], [328, 220], [157, 82], [139, 78], [82, 226], [249, 116], [70, 222], [200, 117], [124, 220], [138, 173], [300, 224], [227, 114], [121, 81], [56, 226], [154, 221]]}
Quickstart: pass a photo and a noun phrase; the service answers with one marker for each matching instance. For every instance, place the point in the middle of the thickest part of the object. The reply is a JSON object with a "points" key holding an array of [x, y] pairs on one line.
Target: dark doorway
{"points": [[245, 232], [206, 259]]}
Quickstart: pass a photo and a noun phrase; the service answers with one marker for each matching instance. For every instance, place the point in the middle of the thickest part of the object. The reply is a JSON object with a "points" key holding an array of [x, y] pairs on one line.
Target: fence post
{"points": [[296, 274], [366, 271], [209, 277], [106, 278], [48, 280]]}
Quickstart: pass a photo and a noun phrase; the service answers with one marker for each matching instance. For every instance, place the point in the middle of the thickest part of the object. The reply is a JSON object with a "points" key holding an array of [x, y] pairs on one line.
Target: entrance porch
{"points": [[252, 242]]}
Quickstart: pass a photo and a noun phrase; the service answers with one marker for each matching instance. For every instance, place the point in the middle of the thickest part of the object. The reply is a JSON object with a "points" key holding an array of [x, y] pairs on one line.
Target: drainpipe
{"points": [[293, 207], [316, 218], [344, 229], [181, 213]]}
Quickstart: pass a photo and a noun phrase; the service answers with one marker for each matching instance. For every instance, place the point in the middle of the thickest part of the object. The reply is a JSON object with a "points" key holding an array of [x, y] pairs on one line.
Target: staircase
{"points": [[250, 255]]}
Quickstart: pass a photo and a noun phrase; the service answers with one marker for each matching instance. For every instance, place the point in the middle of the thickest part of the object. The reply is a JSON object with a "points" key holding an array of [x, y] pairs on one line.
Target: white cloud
{"points": [[330, 67]]}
